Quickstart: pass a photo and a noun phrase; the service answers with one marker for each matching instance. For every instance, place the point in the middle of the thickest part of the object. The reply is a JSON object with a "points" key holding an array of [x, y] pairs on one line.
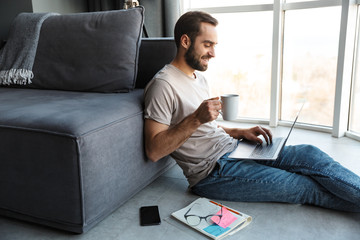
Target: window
{"points": [[355, 108], [307, 32], [354, 122], [223, 3], [294, 1], [310, 64], [243, 61]]}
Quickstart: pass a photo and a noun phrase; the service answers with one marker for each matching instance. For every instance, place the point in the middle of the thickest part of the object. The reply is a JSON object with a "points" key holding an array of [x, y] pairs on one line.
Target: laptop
{"points": [[254, 151]]}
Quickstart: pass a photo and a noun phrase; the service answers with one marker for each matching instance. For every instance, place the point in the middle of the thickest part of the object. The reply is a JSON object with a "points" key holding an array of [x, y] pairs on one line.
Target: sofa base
{"points": [[74, 228]]}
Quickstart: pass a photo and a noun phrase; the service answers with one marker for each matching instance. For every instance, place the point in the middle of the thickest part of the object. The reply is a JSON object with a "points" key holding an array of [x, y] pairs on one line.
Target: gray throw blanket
{"points": [[18, 55]]}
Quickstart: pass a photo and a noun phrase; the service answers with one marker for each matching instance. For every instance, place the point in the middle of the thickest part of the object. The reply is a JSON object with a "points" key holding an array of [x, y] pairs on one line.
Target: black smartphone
{"points": [[149, 215]]}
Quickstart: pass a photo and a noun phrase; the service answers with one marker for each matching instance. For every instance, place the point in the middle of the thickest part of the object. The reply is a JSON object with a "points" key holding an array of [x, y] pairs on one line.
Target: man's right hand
{"points": [[208, 110]]}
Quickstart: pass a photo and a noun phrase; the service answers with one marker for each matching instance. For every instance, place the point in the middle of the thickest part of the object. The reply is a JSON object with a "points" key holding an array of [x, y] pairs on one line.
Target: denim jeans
{"points": [[302, 174]]}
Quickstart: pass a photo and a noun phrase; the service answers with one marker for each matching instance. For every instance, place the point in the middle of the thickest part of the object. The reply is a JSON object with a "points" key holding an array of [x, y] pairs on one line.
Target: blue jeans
{"points": [[302, 174]]}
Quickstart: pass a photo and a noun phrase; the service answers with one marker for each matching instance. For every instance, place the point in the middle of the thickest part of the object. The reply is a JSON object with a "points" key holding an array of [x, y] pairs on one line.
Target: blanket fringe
{"points": [[16, 76]]}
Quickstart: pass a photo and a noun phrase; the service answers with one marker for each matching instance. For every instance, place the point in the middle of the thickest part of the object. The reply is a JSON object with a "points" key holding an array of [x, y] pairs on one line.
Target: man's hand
{"points": [[208, 110], [251, 134]]}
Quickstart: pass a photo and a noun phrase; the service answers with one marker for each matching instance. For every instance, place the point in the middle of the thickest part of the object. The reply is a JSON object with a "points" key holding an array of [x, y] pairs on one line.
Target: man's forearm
{"points": [[234, 132], [167, 141]]}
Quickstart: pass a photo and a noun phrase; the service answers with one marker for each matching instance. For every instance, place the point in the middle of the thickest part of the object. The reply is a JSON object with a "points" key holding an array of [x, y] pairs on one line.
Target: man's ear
{"points": [[185, 41]]}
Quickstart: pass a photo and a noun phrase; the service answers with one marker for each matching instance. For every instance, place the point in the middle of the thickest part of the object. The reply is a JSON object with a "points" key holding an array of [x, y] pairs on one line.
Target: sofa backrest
{"points": [[98, 52], [92, 52], [154, 54]]}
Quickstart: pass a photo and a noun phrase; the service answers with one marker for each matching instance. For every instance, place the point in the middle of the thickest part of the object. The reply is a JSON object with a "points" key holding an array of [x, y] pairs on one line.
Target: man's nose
{"points": [[212, 52]]}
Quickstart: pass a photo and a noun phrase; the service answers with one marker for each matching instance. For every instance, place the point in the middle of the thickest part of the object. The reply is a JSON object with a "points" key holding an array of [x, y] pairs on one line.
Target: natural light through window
{"points": [[310, 64], [222, 3], [243, 61], [355, 101], [355, 109], [277, 54], [294, 1]]}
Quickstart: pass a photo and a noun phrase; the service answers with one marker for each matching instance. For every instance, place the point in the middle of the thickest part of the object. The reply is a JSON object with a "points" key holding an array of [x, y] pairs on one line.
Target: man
{"points": [[180, 121]]}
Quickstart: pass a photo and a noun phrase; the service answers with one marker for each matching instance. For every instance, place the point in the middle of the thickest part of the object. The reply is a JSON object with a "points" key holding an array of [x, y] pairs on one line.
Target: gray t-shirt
{"points": [[170, 97]]}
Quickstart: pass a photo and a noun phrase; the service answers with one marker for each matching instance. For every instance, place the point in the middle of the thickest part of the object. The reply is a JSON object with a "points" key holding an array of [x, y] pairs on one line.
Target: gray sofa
{"points": [[71, 143]]}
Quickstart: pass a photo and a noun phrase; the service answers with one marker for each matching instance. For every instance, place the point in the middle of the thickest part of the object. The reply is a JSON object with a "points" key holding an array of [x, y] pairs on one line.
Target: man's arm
{"points": [[161, 140], [250, 134]]}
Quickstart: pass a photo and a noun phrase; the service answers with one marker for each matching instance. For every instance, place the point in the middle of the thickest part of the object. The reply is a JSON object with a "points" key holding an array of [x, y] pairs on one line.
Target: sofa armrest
{"points": [[154, 54]]}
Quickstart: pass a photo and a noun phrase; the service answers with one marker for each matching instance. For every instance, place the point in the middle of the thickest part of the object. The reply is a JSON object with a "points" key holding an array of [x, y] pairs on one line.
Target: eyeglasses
{"points": [[195, 220]]}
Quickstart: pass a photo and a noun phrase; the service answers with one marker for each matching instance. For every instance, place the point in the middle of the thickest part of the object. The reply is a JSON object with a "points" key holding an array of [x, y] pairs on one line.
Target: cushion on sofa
{"points": [[95, 52]]}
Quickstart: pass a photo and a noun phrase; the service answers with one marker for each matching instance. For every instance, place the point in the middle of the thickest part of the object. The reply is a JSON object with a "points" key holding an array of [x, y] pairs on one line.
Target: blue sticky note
{"points": [[216, 230]]}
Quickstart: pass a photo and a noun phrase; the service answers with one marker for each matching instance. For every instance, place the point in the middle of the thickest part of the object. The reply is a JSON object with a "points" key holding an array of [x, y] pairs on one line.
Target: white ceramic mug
{"points": [[230, 106]]}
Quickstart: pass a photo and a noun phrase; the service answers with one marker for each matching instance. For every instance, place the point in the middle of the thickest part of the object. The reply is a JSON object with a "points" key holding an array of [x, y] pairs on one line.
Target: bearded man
{"points": [[180, 121]]}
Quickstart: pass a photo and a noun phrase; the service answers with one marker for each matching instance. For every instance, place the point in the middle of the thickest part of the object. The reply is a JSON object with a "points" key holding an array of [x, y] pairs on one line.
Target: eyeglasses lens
{"points": [[193, 220]]}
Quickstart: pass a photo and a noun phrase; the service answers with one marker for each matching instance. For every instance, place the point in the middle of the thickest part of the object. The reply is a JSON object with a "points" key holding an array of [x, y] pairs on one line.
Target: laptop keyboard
{"points": [[266, 151]]}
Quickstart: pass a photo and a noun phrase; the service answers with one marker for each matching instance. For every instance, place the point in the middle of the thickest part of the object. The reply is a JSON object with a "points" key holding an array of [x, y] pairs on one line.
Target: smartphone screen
{"points": [[149, 215]]}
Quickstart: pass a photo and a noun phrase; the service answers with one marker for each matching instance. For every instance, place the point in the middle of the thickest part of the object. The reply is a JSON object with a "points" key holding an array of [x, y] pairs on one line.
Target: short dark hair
{"points": [[189, 24]]}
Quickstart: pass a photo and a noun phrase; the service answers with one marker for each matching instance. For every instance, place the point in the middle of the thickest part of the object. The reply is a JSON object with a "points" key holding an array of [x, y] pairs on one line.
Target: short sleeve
{"points": [[159, 102]]}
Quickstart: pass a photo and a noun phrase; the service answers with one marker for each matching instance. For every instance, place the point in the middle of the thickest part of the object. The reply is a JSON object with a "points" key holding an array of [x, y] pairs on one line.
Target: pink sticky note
{"points": [[226, 219]]}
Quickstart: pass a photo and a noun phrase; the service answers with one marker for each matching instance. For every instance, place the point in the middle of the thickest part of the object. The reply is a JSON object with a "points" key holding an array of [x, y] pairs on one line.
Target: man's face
{"points": [[203, 49]]}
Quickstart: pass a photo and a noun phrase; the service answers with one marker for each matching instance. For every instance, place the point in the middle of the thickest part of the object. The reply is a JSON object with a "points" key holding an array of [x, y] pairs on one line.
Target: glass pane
{"points": [[309, 64], [224, 3], [243, 61], [355, 102], [292, 1]]}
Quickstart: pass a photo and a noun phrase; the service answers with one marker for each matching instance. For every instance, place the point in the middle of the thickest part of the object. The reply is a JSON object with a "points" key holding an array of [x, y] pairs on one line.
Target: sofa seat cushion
{"points": [[66, 113]]}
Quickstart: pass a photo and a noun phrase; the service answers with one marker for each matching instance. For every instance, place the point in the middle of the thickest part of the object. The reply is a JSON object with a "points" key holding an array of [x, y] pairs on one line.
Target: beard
{"points": [[193, 59]]}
